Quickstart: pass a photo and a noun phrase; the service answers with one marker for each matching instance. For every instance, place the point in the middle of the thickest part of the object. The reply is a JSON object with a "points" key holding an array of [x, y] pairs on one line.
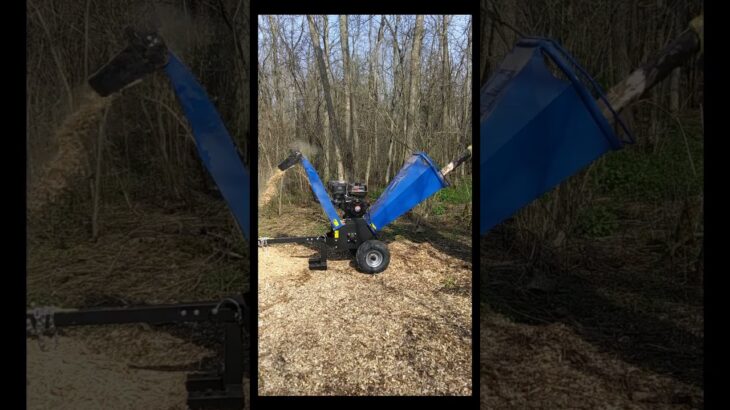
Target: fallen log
{"points": [[679, 51]]}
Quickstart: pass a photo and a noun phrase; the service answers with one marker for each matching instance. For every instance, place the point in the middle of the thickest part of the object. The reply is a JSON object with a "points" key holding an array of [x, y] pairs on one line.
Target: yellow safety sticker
{"points": [[373, 225], [334, 221], [337, 234]]}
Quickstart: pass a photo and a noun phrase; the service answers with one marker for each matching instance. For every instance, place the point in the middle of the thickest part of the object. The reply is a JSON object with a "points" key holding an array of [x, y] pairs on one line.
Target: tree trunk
{"points": [[349, 134], [413, 96], [97, 176], [374, 72], [336, 136], [278, 104], [468, 98], [445, 75]]}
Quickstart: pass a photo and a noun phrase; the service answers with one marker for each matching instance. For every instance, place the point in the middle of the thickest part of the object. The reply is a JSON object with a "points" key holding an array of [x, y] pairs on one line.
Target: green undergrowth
{"points": [[670, 169]]}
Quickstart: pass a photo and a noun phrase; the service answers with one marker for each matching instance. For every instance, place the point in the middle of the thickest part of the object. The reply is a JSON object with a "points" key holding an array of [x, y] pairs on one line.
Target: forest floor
{"points": [[405, 331], [618, 326], [161, 253], [612, 315]]}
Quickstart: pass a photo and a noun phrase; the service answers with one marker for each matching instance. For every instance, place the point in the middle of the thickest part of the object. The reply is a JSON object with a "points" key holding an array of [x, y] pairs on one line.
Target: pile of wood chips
{"points": [[103, 368], [406, 331], [550, 366]]}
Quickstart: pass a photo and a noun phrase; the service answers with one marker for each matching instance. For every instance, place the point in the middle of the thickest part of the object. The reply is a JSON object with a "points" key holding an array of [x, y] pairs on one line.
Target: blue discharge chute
{"points": [[322, 196], [417, 181], [215, 146], [536, 129]]}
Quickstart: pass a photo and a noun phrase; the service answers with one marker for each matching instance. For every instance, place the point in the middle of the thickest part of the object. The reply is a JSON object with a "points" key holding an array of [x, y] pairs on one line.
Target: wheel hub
{"points": [[374, 259]]}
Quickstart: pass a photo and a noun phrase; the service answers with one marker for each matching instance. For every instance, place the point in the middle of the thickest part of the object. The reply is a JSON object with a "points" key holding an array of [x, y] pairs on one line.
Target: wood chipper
{"points": [[146, 54], [540, 123], [357, 229]]}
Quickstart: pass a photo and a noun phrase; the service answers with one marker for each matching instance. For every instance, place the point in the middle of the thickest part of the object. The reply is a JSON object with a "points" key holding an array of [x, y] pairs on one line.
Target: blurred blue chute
{"points": [[215, 146], [538, 126]]}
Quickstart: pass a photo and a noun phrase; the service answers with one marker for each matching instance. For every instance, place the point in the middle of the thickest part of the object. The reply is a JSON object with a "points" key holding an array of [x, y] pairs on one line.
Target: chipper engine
{"points": [[351, 198], [146, 54], [358, 227]]}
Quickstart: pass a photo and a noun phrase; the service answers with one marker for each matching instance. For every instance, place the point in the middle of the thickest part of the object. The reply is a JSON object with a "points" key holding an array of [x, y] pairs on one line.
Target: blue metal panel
{"points": [[536, 130], [417, 180], [215, 146], [322, 196]]}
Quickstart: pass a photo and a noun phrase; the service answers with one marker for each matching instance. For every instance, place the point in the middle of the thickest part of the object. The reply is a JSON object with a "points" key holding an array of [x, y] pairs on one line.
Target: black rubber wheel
{"points": [[372, 256]]}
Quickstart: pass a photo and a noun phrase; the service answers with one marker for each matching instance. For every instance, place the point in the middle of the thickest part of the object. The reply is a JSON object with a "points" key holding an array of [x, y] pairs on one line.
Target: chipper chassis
{"points": [[371, 254]]}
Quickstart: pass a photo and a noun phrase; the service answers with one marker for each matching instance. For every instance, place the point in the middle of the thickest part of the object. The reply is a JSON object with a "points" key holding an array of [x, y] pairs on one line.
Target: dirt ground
{"points": [[616, 329], [406, 331], [143, 256], [110, 369]]}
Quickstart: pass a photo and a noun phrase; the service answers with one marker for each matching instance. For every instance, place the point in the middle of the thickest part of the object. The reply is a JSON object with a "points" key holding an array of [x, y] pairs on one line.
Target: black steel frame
{"points": [[350, 236], [213, 390]]}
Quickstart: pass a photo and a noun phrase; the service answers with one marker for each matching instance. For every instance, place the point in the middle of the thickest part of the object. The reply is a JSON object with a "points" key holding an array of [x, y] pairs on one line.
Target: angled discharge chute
{"points": [[146, 53], [321, 192], [215, 146]]}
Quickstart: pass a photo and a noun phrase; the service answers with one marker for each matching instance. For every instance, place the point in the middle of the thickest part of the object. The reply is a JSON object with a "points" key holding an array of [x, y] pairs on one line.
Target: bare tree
{"points": [[413, 94], [393, 84], [328, 97]]}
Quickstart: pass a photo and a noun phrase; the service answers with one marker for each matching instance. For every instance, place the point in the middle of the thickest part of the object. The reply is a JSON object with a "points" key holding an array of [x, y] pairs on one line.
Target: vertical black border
{"points": [[372, 7], [18, 275], [253, 243], [476, 29]]}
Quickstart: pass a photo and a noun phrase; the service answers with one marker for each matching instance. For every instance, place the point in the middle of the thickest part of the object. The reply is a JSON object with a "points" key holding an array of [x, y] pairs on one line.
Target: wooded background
{"points": [[603, 276], [140, 211], [146, 150], [664, 171], [391, 85]]}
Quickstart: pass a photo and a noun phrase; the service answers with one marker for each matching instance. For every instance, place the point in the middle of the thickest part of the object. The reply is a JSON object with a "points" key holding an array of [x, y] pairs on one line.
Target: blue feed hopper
{"points": [[539, 124], [417, 181]]}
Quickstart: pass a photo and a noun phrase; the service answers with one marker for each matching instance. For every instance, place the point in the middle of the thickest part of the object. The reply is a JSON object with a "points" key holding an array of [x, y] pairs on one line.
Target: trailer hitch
{"points": [[317, 262]]}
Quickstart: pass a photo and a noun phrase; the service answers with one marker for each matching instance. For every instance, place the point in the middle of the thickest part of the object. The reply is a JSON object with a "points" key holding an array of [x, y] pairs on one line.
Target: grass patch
{"points": [[597, 222], [671, 170], [459, 193], [439, 209], [449, 283], [224, 279], [375, 193]]}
